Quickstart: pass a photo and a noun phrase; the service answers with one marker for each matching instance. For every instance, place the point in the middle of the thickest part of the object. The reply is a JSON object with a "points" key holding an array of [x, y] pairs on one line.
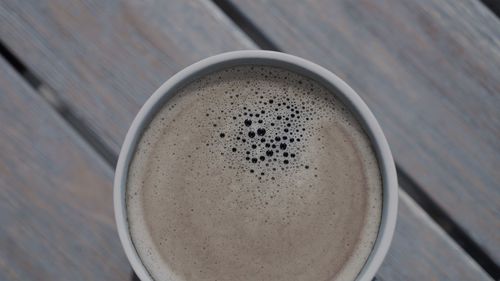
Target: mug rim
{"points": [[269, 58]]}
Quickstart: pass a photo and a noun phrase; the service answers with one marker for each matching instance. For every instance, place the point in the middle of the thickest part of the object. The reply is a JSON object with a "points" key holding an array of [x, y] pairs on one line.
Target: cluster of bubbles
{"points": [[271, 135], [270, 130]]}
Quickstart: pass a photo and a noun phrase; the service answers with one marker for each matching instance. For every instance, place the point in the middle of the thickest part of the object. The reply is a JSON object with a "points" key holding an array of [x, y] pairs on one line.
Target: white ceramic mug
{"points": [[292, 63]]}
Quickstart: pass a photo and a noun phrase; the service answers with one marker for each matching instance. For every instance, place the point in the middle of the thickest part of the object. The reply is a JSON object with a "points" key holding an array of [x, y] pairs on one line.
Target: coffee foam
{"points": [[254, 173]]}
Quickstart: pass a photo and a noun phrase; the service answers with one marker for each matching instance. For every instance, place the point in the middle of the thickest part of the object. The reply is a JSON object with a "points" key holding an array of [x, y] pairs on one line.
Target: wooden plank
{"points": [[105, 58], [56, 208], [33, 36], [433, 255], [430, 72]]}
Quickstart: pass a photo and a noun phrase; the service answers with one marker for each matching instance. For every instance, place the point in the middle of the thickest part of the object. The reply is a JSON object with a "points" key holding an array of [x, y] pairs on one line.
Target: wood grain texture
{"points": [[108, 92], [434, 256], [430, 72], [105, 58], [56, 208]]}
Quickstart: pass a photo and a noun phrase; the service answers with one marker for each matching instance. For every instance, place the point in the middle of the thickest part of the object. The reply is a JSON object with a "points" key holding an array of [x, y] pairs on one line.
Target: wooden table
{"points": [[73, 74]]}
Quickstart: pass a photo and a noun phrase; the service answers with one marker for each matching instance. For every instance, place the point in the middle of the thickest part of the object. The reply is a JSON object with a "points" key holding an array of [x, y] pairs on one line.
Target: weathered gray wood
{"points": [[107, 92], [56, 209], [105, 58], [430, 71], [434, 256]]}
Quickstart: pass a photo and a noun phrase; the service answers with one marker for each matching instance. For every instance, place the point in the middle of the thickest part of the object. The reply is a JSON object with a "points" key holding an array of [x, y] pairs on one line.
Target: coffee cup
{"points": [[342, 92]]}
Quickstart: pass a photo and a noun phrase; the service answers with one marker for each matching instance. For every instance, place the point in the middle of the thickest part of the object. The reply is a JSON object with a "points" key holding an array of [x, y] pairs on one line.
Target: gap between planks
{"points": [[49, 95], [493, 5]]}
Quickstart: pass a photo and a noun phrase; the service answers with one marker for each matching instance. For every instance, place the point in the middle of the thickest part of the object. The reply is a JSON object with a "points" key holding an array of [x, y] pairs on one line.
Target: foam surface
{"points": [[254, 173]]}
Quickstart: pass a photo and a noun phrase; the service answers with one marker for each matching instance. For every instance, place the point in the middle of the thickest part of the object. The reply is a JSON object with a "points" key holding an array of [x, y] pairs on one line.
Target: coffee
{"points": [[254, 173]]}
